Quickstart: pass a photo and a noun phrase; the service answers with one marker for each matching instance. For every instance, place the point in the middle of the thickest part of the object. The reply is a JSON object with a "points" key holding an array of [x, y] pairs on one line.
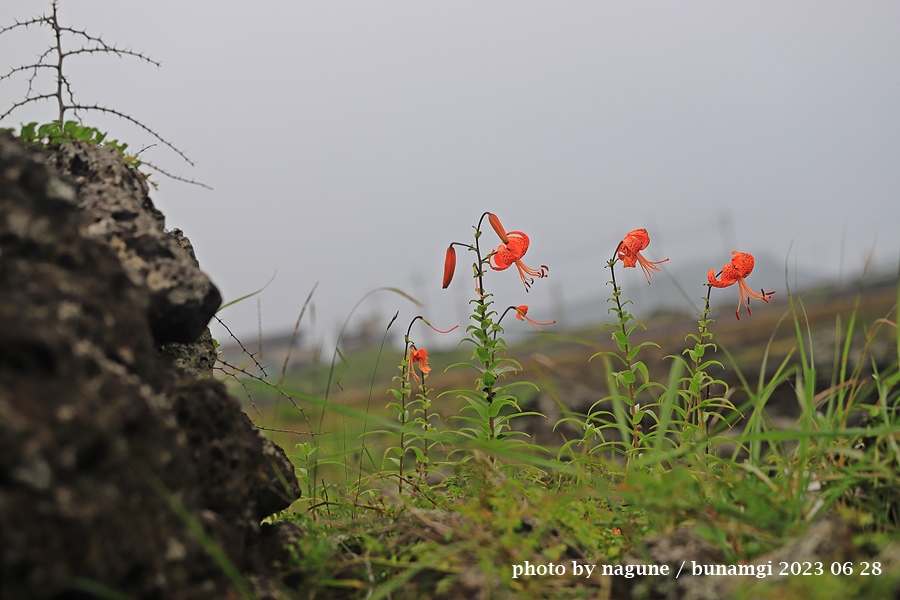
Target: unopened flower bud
{"points": [[495, 223], [449, 266]]}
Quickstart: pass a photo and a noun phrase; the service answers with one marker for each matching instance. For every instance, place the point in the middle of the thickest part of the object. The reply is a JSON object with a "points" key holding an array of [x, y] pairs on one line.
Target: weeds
{"points": [[461, 494], [492, 405]]}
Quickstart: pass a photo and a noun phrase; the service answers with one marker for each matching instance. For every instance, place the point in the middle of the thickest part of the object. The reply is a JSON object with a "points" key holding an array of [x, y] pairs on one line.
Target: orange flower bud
{"points": [[495, 223], [449, 266]]}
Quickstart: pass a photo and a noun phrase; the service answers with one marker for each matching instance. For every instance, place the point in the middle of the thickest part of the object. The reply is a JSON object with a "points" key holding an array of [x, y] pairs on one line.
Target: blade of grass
{"points": [[287, 357], [250, 295]]}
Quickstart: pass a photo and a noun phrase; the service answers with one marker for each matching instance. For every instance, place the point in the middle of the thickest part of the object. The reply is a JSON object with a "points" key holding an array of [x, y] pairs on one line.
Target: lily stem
{"points": [[484, 323], [624, 317], [700, 385]]}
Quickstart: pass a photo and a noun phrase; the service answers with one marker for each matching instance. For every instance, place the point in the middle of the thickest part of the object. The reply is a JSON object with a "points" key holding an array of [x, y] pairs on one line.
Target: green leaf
{"points": [[482, 354], [640, 367], [48, 129], [495, 408], [621, 340], [635, 350], [626, 377], [635, 326], [250, 295], [637, 417], [480, 407], [27, 134], [463, 364]]}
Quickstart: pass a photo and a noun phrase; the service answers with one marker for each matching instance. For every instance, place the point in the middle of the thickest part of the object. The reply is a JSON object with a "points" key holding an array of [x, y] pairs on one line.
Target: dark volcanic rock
{"points": [[117, 209], [224, 441], [107, 453], [829, 540], [194, 359], [683, 544]]}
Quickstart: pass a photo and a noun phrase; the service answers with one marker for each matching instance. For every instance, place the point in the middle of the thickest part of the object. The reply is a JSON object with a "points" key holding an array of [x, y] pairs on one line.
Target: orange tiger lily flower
{"points": [[510, 252], [740, 267], [418, 356], [522, 315], [629, 252]]}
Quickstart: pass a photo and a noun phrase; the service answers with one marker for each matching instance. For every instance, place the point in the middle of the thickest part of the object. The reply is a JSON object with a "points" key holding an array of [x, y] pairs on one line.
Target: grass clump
{"points": [[462, 497]]}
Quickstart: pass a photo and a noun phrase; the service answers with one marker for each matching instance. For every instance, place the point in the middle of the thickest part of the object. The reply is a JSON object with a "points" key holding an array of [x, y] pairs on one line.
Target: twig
{"points": [[290, 431], [269, 384], [53, 58], [243, 349]]}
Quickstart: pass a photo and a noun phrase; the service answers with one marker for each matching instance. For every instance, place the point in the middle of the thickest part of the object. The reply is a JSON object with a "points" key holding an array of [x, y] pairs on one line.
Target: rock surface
{"points": [[111, 456], [828, 540], [116, 209]]}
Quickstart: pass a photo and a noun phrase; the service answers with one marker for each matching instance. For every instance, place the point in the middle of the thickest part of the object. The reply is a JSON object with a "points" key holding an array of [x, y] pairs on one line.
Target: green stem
{"points": [[620, 312], [481, 311], [402, 426], [425, 444]]}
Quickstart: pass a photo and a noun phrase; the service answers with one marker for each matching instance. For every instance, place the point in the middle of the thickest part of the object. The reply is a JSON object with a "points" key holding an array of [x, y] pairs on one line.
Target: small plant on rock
{"points": [[60, 91]]}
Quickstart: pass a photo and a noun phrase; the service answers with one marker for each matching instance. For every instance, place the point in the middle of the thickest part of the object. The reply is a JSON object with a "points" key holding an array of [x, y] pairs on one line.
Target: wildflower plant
{"points": [[491, 405], [415, 433], [624, 385], [699, 405], [509, 500], [533, 507], [698, 382]]}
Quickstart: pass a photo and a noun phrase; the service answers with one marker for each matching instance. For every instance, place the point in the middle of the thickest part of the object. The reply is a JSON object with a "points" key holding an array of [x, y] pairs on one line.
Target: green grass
{"points": [[641, 462]]}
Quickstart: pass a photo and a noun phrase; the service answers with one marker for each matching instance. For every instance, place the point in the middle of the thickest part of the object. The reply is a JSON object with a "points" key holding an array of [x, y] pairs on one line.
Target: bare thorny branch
{"points": [[26, 24], [121, 115], [53, 59], [175, 177], [233, 371]]}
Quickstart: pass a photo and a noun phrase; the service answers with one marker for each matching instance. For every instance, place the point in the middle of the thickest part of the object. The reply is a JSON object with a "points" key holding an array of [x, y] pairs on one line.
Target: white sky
{"points": [[349, 142]]}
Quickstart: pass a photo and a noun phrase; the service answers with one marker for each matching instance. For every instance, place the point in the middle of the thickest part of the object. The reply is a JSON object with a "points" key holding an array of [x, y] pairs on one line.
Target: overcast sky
{"points": [[349, 142]]}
